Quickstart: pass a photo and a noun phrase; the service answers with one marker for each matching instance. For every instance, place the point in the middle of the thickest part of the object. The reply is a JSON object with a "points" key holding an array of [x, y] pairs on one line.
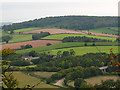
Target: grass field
{"points": [[4, 33], [25, 66], [25, 79], [44, 74], [108, 30], [88, 49], [96, 80], [26, 29], [63, 45], [21, 38], [61, 36]]}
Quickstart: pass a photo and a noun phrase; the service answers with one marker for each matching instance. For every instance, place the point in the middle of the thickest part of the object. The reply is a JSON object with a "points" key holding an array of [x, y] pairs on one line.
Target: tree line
{"points": [[67, 22], [83, 39]]}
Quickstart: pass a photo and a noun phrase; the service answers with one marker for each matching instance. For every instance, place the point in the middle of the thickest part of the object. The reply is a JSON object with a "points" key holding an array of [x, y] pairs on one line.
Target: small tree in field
{"points": [[48, 44]]}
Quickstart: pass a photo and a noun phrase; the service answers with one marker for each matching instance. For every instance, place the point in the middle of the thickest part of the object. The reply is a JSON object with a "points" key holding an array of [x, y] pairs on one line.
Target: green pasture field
{"points": [[88, 49], [61, 36], [26, 29], [24, 66], [64, 45], [44, 74], [4, 33], [96, 80], [25, 79], [20, 38], [108, 30]]}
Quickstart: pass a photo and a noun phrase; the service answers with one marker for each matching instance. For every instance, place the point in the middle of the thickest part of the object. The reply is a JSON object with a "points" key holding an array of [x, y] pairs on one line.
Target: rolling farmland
{"points": [[63, 45], [61, 36], [88, 49]]}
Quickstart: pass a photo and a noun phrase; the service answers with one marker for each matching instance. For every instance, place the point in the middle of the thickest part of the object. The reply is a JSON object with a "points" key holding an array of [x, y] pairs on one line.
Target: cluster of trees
{"points": [[40, 35], [67, 60], [26, 46], [74, 73], [20, 63], [108, 84], [67, 22], [83, 39], [6, 38]]}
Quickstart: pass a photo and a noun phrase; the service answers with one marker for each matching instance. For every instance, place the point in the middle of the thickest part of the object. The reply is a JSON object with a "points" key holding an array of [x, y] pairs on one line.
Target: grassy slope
{"points": [[44, 74], [62, 45], [88, 49], [21, 38], [61, 36], [96, 80], [26, 29], [112, 30], [25, 79]]}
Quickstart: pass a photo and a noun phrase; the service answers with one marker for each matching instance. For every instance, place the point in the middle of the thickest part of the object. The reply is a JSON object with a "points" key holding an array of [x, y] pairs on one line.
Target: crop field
{"points": [[25, 79], [44, 74], [88, 49], [26, 29], [63, 45], [35, 43], [108, 30], [61, 36], [96, 80], [54, 31]]}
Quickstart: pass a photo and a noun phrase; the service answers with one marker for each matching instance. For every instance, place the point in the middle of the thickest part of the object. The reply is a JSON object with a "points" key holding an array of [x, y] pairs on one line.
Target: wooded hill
{"points": [[67, 22]]}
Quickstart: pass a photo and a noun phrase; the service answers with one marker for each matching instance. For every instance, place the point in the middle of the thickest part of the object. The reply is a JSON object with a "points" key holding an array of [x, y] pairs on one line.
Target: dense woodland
{"points": [[67, 22], [62, 61]]}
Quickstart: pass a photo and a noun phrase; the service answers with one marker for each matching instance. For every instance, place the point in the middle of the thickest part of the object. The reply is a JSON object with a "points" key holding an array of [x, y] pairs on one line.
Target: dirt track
{"points": [[35, 43]]}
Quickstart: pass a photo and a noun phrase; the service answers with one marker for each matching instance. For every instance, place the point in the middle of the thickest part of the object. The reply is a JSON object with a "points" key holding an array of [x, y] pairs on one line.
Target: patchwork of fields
{"points": [[34, 43], [64, 45], [55, 39], [88, 49], [25, 79], [61, 36]]}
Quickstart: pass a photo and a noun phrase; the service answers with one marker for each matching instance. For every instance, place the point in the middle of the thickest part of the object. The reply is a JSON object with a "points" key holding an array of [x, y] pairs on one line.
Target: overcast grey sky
{"points": [[24, 10]]}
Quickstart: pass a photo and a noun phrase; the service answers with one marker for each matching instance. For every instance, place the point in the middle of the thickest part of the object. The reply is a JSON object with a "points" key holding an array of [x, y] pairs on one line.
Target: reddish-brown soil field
{"points": [[100, 34], [35, 43], [54, 31], [58, 31]]}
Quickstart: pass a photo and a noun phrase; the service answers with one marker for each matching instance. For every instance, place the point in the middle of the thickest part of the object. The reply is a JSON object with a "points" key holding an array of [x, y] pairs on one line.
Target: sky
{"points": [[24, 10]]}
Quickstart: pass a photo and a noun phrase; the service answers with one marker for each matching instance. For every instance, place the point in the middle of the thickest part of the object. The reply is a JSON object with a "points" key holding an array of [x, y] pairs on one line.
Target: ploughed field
{"points": [[35, 43], [59, 31]]}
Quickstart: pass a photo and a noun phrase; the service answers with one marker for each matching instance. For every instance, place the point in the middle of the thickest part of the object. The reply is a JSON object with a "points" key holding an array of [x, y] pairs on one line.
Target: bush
{"points": [[6, 38], [48, 44], [33, 54], [78, 82], [26, 46]]}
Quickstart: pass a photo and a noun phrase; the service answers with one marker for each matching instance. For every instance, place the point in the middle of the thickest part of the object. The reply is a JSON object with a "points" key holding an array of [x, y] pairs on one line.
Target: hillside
{"points": [[67, 22]]}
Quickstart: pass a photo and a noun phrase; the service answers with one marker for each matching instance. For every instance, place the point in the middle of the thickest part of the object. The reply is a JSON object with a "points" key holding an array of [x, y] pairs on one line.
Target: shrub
{"points": [[48, 44]]}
